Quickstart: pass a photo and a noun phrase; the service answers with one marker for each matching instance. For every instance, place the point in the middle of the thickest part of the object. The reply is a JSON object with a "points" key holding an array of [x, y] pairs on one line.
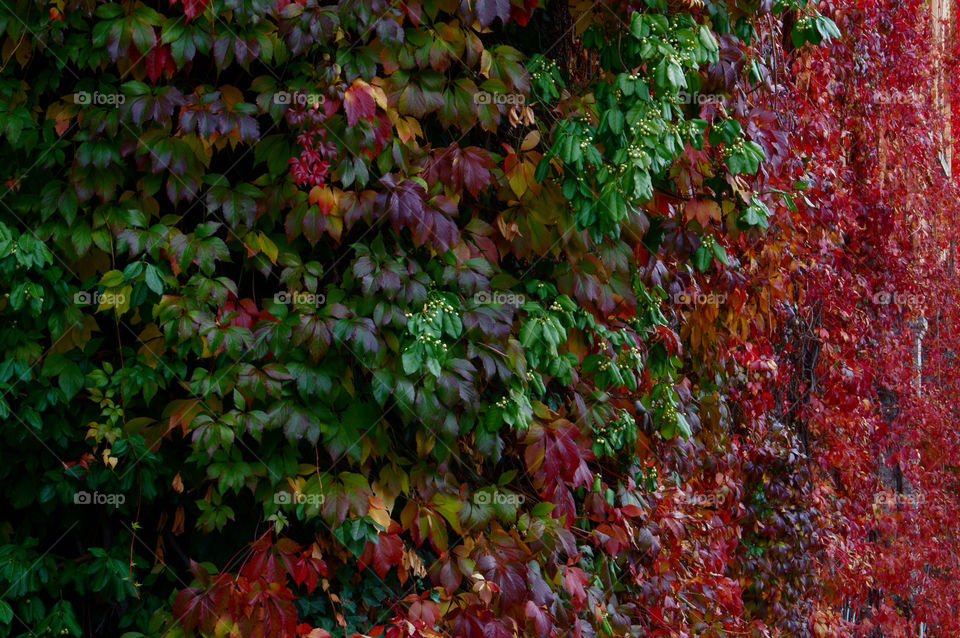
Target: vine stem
{"points": [[133, 536]]}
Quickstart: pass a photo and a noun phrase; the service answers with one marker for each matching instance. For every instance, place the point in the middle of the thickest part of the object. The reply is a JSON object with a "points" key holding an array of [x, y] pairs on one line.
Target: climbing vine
{"points": [[478, 318]]}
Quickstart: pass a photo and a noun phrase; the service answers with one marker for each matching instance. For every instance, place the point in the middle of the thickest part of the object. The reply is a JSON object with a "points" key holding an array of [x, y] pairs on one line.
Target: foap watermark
{"points": [[499, 297], [883, 298], [299, 298], [297, 498], [297, 98], [498, 498], [897, 97], [892, 500], [699, 98], [87, 297], [705, 500], [98, 498], [483, 97], [96, 98], [686, 298]]}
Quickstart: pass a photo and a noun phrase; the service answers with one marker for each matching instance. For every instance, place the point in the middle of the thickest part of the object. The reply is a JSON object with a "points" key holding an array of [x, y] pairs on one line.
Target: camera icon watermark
{"points": [[498, 498], [498, 297], [88, 297], [298, 98], [511, 99], [883, 298], [298, 298], [96, 98], [698, 299], [97, 498], [297, 498]]}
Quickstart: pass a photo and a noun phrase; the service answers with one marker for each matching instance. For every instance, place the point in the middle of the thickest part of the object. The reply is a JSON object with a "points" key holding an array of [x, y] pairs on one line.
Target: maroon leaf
{"points": [[487, 10], [539, 617], [159, 60], [462, 168]]}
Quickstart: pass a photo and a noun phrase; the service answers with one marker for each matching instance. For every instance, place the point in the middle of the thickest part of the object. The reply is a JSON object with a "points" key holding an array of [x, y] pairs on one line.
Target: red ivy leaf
{"points": [[539, 617], [159, 60], [521, 15], [263, 563], [574, 581], [358, 102], [308, 569], [191, 8], [195, 607], [387, 552], [461, 168], [308, 631]]}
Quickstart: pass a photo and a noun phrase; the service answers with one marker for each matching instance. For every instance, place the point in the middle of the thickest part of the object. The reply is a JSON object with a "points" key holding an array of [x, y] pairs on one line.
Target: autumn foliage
{"points": [[478, 319]]}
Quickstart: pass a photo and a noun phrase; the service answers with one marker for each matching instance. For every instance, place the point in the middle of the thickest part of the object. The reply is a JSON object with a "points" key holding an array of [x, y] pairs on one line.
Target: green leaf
{"points": [[720, 254], [153, 279], [71, 379], [675, 76], [411, 359], [112, 279], [433, 366], [702, 258]]}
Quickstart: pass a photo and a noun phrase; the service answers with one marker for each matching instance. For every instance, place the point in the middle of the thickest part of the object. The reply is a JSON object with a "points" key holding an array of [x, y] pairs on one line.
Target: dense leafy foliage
{"points": [[474, 318]]}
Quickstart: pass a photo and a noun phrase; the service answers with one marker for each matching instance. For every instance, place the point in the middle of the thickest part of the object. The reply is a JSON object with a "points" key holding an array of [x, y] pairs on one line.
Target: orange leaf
{"points": [[702, 210]]}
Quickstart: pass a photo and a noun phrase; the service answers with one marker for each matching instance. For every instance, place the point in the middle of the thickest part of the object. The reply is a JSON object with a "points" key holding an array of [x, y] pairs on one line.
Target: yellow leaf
{"points": [[529, 170], [408, 128], [378, 512], [268, 247], [379, 96], [411, 560], [485, 61], [230, 95], [118, 299], [581, 11], [424, 443], [518, 181], [206, 354], [530, 141], [252, 244], [335, 226], [109, 461]]}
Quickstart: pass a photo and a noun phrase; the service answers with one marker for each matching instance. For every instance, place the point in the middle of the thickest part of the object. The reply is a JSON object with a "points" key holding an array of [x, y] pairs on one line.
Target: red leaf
{"points": [[308, 569], [387, 552], [195, 607], [574, 581], [462, 168], [670, 339], [539, 617], [191, 8], [159, 60], [358, 102], [521, 15], [308, 631]]}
